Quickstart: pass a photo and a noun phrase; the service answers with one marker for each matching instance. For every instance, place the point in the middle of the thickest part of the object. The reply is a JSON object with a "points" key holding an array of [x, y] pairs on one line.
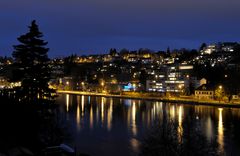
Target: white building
{"points": [[173, 79]]}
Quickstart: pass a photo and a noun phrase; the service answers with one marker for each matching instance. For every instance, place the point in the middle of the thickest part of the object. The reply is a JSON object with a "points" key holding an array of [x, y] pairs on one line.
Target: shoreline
{"points": [[191, 101]]}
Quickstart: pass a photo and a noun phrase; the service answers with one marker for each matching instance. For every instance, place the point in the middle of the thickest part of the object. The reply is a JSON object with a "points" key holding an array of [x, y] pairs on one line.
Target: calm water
{"points": [[114, 126]]}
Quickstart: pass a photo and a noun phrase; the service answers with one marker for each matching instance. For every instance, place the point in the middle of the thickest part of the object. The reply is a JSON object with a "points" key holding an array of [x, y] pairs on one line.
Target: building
{"points": [[209, 49], [174, 78], [204, 92], [228, 46]]}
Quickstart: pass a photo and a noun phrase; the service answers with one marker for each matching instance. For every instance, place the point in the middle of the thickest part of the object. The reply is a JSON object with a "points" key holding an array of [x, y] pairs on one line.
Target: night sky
{"points": [[95, 26]]}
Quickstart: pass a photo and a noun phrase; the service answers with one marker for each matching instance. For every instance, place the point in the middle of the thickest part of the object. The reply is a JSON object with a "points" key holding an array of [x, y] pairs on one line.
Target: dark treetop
{"points": [[31, 61]]}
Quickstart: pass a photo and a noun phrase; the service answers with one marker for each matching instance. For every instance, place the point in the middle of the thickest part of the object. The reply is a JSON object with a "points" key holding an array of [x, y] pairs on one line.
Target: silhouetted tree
{"points": [[69, 64], [236, 54], [113, 52], [204, 45], [31, 60], [168, 52], [143, 78]]}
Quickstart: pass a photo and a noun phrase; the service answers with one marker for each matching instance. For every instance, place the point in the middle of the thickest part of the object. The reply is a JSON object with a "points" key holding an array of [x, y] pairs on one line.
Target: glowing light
{"points": [[82, 103], [172, 112], [91, 117], [186, 67], [78, 117], [67, 102], [220, 130], [109, 118], [102, 109], [134, 87], [134, 126], [209, 129], [180, 128], [102, 83], [180, 86], [135, 144]]}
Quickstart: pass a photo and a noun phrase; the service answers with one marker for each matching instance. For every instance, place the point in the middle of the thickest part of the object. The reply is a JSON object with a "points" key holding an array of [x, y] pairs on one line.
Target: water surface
{"points": [[114, 126]]}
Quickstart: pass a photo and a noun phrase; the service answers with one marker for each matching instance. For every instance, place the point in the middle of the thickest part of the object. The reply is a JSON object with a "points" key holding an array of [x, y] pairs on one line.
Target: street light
{"points": [[102, 83], [134, 87], [82, 83], [219, 92], [180, 86]]}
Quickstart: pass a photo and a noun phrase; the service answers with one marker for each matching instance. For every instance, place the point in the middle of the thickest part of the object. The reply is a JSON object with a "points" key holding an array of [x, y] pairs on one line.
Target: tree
{"points": [[113, 52], [219, 93], [168, 52], [143, 78], [31, 60], [203, 46]]}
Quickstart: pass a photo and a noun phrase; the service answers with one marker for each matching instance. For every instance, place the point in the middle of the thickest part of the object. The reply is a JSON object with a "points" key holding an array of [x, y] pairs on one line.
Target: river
{"points": [[101, 126]]}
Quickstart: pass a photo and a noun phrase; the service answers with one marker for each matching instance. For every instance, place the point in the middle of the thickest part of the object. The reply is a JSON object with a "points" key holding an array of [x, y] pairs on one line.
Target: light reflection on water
{"points": [[109, 115], [220, 130], [78, 116], [102, 109], [134, 125], [180, 120], [105, 124], [67, 102]]}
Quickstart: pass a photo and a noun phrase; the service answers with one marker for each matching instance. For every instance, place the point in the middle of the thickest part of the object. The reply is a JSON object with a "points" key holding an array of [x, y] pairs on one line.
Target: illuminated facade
{"points": [[204, 92], [173, 79]]}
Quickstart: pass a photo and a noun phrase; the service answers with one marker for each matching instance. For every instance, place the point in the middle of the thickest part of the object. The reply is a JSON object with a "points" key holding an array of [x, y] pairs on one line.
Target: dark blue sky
{"points": [[95, 26]]}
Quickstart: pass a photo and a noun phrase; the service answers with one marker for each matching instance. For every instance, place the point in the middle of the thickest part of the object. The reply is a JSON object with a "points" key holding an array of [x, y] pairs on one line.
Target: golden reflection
{"points": [[109, 116], [82, 104], [172, 112], [148, 118], [135, 144], [134, 126], [91, 117], [209, 129], [102, 109], [180, 128], [154, 111], [97, 114], [143, 117], [160, 110], [220, 130], [129, 117], [67, 102], [78, 117], [158, 107], [180, 113], [78, 113]]}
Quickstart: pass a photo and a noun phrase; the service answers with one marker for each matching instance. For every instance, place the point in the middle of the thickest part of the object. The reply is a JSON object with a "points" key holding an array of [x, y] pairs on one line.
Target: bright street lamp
{"points": [[102, 83]]}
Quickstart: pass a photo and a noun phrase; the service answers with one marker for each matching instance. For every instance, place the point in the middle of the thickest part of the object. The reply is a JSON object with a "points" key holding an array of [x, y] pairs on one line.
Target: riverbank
{"points": [[183, 99]]}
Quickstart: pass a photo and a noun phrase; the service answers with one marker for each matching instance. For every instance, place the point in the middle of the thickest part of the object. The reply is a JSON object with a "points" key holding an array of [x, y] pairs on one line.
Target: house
{"points": [[204, 92]]}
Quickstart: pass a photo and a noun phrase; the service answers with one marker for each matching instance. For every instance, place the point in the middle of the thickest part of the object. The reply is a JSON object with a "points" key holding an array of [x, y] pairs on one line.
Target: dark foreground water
{"points": [[102, 126]]}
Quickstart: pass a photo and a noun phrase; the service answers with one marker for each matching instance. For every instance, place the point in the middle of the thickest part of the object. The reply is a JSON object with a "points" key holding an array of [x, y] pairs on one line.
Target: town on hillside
{"points": [[210, 73]]}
